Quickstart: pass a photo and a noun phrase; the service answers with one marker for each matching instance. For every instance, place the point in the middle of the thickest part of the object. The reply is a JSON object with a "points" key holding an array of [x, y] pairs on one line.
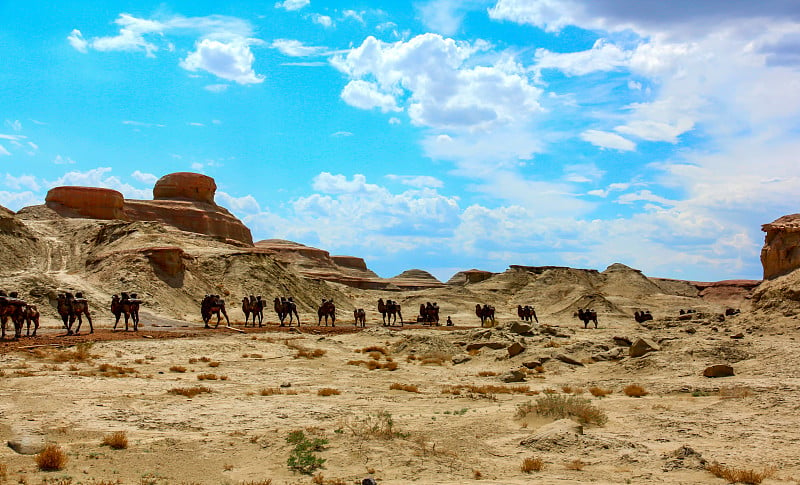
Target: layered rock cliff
{"points": [[781, 252]]}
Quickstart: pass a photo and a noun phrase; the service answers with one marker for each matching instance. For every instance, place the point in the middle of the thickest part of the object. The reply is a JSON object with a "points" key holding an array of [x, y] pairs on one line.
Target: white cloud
{"points": [[145, 178], [352, 14], [98, 177], [419, 181], [365, 95], [601, 57], [232, 60], [322, 20], [431, 77], [604, 139], [17, 200], [394, 120], [292, 4], [237, 205], [77, 41], [216, 88], [59, 160], [615, 187], [15, 125], [295, 48], [194, 123], [340, 134], [4, 152], [583, 172], [446, 16], [23, 181]]}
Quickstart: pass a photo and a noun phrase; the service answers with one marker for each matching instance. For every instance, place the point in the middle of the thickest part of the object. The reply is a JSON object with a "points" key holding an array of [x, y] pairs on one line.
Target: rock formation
{"points": [[183, 200], [781, 252], [415, 279], [469, 276]]}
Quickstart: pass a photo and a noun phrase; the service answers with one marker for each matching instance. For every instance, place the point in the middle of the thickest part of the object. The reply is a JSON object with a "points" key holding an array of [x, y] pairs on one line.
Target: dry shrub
{"points": [[566, 389], [552, 344], [735, 475], [223, 378], [213, 363], [51, 458], [390, 366], [371, 426], [488, 389], [139, 361], [434, 358], [177, 368], [207, 377], [256, 356], [193, 360], [266, 481], [474, 352], [477, 475], [539, 369], [549, 391], [117, 440], [375, 348], [372, 365], [735, 392], [189, 391], [404, 387], [375, 355], [411, 358], [109, 370], [532, 464], [81, 353], [561, 406], [328, 391], [3, 472], [634, 390], [204, 359], [486, 373], [599, 391], [309, 353], [576, 465], [271, 391], [356, 362]]}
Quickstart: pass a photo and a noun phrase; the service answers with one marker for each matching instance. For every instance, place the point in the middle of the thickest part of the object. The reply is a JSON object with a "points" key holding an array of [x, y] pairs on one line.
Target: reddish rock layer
{"points": [[185, 185], [88, 202], [781, 252], [350, 262], [469, 276]]}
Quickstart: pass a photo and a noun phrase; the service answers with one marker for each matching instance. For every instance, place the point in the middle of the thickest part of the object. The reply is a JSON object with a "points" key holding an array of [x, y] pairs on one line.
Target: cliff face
{"points": [[183, 200], [781, 252]]}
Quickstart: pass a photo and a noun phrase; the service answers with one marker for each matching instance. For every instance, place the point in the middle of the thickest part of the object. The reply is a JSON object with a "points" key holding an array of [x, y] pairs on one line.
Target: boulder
{"points": [[513, 376], [532, 364], [86, 202], [612, 354], [461, 358], [27, 443], [564, 432], [515, 349], [491, 345], [684, 458], [185, 185], [719, 370], [642, 347], [781, 252], [520, 328], [568, 360]]}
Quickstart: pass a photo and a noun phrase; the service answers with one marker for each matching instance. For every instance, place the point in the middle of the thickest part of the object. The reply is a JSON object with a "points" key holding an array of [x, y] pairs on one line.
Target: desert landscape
{"points": [[705, 392]]}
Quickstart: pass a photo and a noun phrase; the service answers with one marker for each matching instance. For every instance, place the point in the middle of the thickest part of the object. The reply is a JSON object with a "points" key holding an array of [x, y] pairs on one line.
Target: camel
{"points": [[135, 303], [31, 315], [327, 309], [257, 308], [80, 307], [527, 313], [64, 308], [392, 309], [429, 314], [586, 316], [246, 309], [485, 313], [286, 307], [213, 304], [360, 316], [125, 305], [14, 308]]}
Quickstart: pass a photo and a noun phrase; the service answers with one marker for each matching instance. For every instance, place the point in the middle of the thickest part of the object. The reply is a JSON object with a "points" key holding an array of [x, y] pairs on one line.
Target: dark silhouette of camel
{"points": [[586, 316], [360, 317], [527, 313], [390, 309], [485, 313], [327, 309], [213, 305]]}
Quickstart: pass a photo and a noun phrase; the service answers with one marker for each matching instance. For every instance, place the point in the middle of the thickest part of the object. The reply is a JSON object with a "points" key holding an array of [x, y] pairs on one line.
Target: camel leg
{"points": [[35, 325], [80, 321], [116, 321]]}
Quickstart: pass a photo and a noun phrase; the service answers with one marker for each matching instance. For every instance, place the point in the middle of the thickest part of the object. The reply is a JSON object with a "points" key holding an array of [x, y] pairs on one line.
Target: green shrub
{"points": [[302, 458]]}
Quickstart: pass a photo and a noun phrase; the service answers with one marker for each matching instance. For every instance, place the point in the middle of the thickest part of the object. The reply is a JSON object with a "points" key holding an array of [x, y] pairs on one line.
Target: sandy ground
{"points": [[262, 391]]}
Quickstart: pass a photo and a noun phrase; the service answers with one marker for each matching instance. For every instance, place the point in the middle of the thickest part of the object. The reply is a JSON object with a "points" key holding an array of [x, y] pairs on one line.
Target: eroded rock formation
{"points": [[183, 200], [416, 279], [781, 252]]}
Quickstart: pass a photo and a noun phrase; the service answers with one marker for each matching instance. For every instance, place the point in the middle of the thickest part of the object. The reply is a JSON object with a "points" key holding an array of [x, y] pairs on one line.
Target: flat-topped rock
{"points": [[88, 202], [781, 251], [416, 279], [185, 185], [469, 276]]}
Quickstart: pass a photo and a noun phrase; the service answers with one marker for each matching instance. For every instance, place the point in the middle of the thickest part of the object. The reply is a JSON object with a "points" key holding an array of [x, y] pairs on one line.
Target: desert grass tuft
{"points": [[575, 464], [487, 389], [635, 390], [740, 475], [328, 391], [116, 441], [207, 377], [51, 458], [213, 363], [735, 392], [177, 368], [486, 373], [477, 475], [532, 464], [373, 426], [109, 370], [404, 387], [375, 348], [599, 391], [189, 391], [562, 406]]}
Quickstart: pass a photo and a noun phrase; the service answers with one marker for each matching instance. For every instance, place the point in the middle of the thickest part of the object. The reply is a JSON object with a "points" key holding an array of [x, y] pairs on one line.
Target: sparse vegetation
{"points": [[213, 363], [486, 373], [302, 458], [740, 475], [404, 387], [635, 390], [189, 391], [380, 425], [328, 391], [207, 377], [599, 391], [532, 464], [51, 458], [487, 389], [177, 368], [735, 392], [109, 370], [116, 441], [576, 465], [563, 406]]}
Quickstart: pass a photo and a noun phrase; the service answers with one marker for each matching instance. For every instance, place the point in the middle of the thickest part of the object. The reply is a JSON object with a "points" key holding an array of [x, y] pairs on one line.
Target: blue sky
{"points": [[442, 135]]}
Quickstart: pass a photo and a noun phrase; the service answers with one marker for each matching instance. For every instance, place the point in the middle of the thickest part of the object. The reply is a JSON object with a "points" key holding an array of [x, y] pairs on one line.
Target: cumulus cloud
{"points": [[232, 60], [22, 182], [145, 178], [366, 95], [99, 177], [322, 20], [419, 181], [292, 5], [77, 41], [604, 139], [295, 48], [59, 160]]}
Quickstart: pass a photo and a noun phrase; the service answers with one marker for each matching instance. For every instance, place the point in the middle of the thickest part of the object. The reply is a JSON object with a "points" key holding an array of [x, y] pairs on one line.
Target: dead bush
{"points": [[735, 392], [177, 368], [213, 363], [434, 358], [189, 391], [375, 348], [328, 391], [486, 373], [740, 475], [109, 370], [372, 426], [375, 355], [51, 458], [562, 406], [117, 440], [576, 465], [532, 464], [207, 377], [599, 391], [404, 387], [634, 390]]}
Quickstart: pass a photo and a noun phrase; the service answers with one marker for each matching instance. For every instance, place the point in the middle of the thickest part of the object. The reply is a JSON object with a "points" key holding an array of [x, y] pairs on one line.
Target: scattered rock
{"points": [[515, 349], [612, 354], [491, 345], [641, 347], [622, 341], [691, 330], [564, 430], [26, 443], [461, 358], [719, 370], [568, 360], [738, 335], [532, 364], [286, 384], [521, 328], [684, 457], [513, 376]]}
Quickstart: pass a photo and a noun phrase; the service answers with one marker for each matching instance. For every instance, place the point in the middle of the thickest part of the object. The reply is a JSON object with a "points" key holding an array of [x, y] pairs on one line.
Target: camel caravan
{"points": [[20, 313], [128, 305]]}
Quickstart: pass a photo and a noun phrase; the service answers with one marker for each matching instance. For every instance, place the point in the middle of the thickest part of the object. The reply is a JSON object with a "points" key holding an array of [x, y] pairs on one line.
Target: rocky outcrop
{"points": [[415, 279], [469, 276], [350, 262], [781, 252], [183, 200], [86, 202]]}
